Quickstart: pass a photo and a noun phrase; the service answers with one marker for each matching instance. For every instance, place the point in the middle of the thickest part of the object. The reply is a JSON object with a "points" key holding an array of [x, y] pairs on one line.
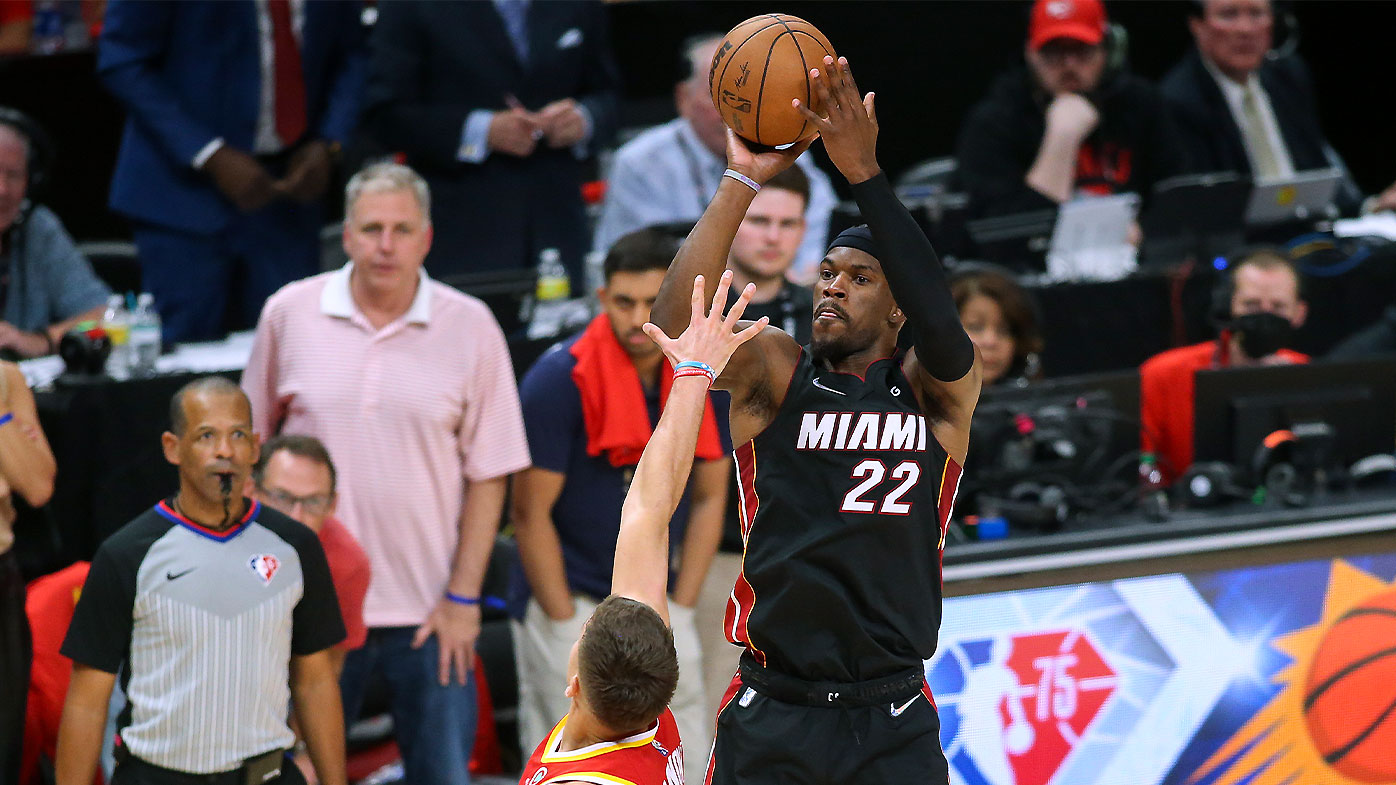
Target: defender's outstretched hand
{"points": [[710, 338], [849, 129]]}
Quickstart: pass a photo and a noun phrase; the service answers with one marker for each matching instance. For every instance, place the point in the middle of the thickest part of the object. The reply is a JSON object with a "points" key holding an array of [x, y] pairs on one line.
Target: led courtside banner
{"points": [[1276, 675]]}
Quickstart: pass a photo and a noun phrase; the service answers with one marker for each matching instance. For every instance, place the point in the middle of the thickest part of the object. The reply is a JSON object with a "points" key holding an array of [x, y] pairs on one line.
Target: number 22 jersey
{"points": [[844, 500]]}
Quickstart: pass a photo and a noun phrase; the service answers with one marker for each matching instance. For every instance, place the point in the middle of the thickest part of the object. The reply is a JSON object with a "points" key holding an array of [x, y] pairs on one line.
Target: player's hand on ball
{"points": [[849, 130], [761, 164], [710, 337]]}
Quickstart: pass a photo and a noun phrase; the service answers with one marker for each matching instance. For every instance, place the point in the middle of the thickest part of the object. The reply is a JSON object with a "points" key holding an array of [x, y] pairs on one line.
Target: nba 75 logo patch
{"points": [[265, 565]]}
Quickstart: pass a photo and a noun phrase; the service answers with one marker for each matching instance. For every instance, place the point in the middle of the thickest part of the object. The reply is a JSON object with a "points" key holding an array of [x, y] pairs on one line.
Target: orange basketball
{"points": [[760, 66], [1350, 693]]}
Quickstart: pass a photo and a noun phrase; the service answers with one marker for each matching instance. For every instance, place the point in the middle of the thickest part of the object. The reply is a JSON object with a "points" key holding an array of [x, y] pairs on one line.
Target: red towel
{"points": [[613, 401]]}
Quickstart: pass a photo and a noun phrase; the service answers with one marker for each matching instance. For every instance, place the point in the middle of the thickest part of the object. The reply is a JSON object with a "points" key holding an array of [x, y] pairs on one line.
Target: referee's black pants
{"points": [[16, 651], [133, 771]]}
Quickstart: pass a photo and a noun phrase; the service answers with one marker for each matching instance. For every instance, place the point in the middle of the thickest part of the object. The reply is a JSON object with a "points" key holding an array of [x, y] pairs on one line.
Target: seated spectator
{"points": [[1068, 125], [670, 172], [1258, 308], [1238, 110], [295, 476], [1002, 321], [46, 286], [763, 253], [590, 405], [26, 468]]}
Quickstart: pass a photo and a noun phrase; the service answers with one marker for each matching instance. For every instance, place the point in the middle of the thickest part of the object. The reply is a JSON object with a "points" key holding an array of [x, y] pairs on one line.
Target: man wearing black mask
{"points": [[1257, 308]]}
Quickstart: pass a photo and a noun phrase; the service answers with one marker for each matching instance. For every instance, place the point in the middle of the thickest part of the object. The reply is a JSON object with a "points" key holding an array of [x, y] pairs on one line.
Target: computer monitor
{"points": [[1236, 408], [1197, 215], [1070, 430]]}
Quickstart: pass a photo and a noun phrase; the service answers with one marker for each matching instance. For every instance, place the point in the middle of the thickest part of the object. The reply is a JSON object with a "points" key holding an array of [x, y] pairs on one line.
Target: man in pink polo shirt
{"points": [[409, 385]]}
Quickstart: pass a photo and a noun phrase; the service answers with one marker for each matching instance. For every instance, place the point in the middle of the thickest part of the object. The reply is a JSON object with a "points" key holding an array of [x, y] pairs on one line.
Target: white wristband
{"points": [[743, 179]]}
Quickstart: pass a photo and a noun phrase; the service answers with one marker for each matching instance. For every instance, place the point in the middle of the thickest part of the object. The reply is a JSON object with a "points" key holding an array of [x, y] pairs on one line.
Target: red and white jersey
{"points": [[654, 757]]}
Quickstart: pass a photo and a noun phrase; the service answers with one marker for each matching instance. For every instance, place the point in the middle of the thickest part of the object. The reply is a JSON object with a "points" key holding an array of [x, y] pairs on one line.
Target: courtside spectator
{"points": [[499, 105], [46, 286], [1070, 124], [408, 384], [1240, 109], [1258, 311], [228, 148], [590, 405], [1000, 318]]}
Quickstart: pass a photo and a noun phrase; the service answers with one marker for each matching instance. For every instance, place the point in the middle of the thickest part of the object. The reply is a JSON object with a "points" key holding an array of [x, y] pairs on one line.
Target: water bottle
{"points": [[145, 336], [116, 320], [1153, 491], [553, 283]]}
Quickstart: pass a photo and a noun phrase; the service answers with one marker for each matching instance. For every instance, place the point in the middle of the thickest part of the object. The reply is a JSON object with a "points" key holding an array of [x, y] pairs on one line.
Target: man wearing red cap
{"points": [[1072, 124]]}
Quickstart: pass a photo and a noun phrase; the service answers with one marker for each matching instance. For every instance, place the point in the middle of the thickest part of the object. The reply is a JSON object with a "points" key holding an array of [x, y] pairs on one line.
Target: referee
{"points": [[210, 606]]}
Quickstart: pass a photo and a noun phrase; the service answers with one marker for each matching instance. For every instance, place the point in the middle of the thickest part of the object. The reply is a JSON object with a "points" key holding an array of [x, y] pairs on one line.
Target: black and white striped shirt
{"points": [[206, 623]]}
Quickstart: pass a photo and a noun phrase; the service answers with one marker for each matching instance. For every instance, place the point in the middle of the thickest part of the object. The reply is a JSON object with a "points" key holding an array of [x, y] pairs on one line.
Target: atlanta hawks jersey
{"points": [[654, 757], [844, 500]]}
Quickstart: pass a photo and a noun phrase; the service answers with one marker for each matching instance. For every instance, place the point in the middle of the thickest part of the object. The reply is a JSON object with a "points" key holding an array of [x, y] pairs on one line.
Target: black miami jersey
{"points": [[844, 501]]}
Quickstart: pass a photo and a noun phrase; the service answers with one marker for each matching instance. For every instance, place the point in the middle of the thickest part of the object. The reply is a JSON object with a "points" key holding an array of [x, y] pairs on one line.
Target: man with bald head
{"points": [[670, 172], [217, 612]]}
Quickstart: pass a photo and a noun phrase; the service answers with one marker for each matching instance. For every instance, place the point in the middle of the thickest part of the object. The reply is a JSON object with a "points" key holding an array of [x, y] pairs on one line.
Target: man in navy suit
{"points": [[497, 104], [236, 112], [1240, 108]]}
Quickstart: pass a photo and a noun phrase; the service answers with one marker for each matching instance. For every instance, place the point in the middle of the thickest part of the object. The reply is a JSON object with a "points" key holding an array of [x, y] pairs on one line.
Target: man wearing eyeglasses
{"points": [[1073, 123], [295, 476]]}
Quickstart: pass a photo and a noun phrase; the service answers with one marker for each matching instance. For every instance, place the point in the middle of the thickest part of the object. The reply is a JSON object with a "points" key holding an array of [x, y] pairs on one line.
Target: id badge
{"points": [[263, 768]]}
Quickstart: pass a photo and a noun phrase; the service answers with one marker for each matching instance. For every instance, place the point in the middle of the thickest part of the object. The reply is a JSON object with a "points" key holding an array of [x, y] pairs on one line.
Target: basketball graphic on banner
{"points": [[1350, 693]]}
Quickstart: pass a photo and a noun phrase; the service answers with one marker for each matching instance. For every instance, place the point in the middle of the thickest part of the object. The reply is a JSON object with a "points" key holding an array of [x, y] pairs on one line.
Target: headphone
{"points": [[1285, 30], [41, 152]]}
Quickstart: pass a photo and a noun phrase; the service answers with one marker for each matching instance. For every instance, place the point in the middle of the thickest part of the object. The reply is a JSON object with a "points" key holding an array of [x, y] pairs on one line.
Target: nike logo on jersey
{"points": [[169, 576], [815, 382], [897, 710]]}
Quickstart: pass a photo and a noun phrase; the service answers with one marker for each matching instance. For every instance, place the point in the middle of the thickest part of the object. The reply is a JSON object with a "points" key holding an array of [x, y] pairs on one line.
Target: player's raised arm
{"points": [[945, 357], [705, 250], [699, 354]]}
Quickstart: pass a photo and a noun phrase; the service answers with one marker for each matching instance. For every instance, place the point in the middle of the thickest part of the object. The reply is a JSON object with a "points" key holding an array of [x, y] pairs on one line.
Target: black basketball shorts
{"points": [[775, 730]]}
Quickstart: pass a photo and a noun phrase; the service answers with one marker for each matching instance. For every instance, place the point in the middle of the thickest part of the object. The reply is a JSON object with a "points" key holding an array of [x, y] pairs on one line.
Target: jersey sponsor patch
{"points": [[538, 776], [265, 565]]}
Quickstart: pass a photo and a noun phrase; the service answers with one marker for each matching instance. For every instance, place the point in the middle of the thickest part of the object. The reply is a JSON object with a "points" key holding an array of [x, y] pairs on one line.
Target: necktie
{"points": [[286, 70], [515, 16], [1263, 157]]}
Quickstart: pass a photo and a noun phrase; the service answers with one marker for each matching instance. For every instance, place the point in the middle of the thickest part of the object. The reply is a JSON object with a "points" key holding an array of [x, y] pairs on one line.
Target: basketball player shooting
{"points": [[623, 670], [848, 462]]}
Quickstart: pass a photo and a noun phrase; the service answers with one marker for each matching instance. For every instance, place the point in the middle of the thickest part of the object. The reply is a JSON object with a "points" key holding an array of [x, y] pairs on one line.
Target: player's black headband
{"points": [[859, 237]]}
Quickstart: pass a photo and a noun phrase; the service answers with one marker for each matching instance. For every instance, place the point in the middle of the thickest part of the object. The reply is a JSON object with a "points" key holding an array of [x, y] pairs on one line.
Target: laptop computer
{"points": [[1301, 197]]}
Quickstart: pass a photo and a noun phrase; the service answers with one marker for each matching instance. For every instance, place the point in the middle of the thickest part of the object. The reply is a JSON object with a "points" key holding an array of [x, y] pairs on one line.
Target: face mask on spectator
{"points": [[1262, 334]]}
